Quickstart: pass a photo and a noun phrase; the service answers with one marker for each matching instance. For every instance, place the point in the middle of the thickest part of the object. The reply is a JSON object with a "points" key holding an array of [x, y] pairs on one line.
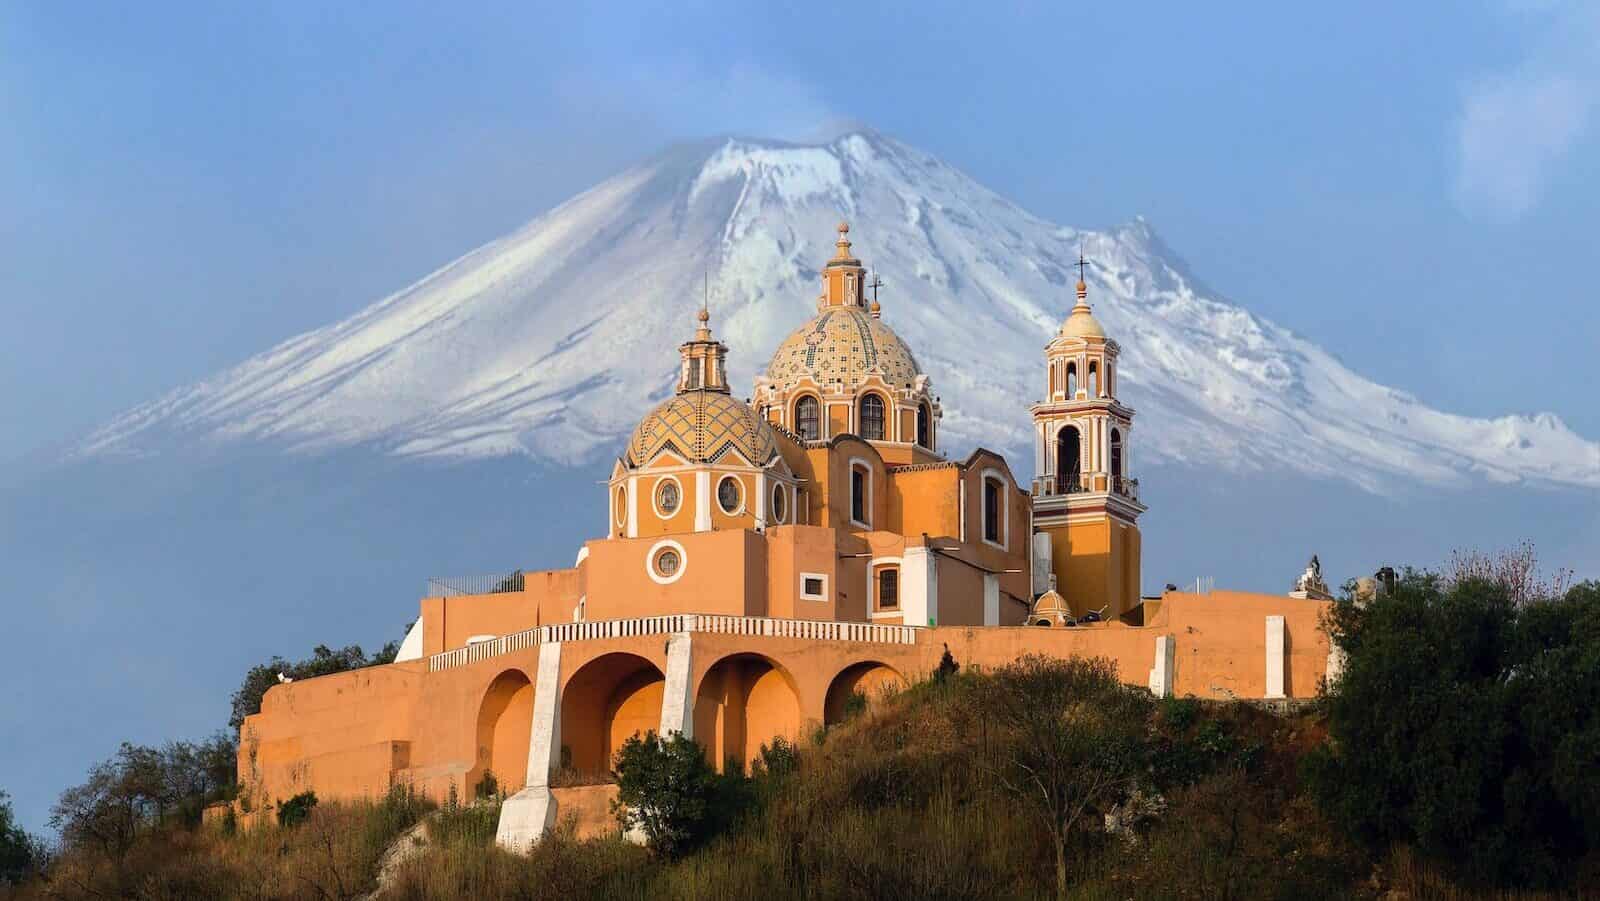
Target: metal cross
{"points": [[1082, 264], [875, 284]]}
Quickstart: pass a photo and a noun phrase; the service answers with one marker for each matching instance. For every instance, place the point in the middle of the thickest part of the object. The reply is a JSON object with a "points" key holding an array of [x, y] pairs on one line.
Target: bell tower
{"points": [[1085, 505]]}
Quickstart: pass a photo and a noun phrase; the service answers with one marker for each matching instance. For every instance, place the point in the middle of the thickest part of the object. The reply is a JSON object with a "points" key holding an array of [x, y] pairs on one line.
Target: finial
{"points": [[704, 315], [1083, 289], [844, 242]]}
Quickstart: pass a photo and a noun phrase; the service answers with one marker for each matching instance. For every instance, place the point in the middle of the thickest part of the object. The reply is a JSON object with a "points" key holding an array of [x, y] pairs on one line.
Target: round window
{"points": [[622, 505], [780, 502], [667, 562], [728, 493], [667, 497]]}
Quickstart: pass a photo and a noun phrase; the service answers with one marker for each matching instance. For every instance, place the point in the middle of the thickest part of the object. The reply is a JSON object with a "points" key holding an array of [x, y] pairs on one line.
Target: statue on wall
{"points": [[1310, 583]]}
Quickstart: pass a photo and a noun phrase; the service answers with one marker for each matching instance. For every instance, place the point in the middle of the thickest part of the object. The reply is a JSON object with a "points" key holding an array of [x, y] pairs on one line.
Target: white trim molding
{"points": [[873, 565], [808, 596], [1004, 531], [650, 561], [866, 506]]}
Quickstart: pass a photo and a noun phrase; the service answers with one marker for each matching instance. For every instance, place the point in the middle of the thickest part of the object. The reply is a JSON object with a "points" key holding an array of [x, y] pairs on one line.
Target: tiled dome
{"points": [[843, 344], [701, 426]]}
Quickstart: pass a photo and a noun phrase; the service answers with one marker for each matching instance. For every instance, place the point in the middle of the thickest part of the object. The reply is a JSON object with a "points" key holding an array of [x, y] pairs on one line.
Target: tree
{"points": [[665, 791], [17, 848], [1072, 741], [324, 661], [1461, 725]]}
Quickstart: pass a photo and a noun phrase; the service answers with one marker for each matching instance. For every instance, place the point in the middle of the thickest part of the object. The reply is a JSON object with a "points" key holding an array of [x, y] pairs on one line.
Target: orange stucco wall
{"points": [[353, 734]]}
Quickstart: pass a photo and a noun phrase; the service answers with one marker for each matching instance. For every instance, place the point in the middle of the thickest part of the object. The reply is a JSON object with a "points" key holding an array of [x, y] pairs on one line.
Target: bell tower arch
{"points": [[1084, 496]]}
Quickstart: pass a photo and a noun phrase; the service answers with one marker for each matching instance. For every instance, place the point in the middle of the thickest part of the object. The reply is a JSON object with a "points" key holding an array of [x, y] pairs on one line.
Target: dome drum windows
{"points": [[872, 419], [924, 427], [730, 495], [668, 497], [808, 418], [622, 505], [779, 511]]}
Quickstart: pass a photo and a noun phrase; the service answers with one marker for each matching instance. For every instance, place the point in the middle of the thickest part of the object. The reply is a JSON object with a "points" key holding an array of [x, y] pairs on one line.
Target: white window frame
{"points": [[873, 565], [1004, 511], [866, 506], [777, 513], [650, 561], [807, 596], [743, 504], [655, 496]]}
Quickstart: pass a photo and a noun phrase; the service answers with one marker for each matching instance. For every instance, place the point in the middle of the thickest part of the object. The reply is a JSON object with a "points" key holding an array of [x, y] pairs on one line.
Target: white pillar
{"points": [[677, 696], [1276, 644], [702, 501], [991, 599], [1042, 550], [1161, 673], [633, 506], [919, 586], [760, 506], [526, 816], [1336, 661]]}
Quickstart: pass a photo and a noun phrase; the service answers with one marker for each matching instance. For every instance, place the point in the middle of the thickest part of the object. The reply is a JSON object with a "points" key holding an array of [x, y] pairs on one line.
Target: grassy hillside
{"points": [[907, 800]]}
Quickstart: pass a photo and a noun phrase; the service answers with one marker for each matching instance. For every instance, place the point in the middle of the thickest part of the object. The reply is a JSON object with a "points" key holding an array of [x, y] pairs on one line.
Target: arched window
{"points": [[924, 438], [992, 511], [1072, 380], [694, 374], [1050, 388], [872, 417], [1094, 379], [858, 494], [807, 418], [1069, 463], [1116, 456]]}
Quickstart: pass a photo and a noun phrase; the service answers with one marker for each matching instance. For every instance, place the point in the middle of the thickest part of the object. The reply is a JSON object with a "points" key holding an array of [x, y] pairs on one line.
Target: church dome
{"points": [[700, 427], [844, 344]]}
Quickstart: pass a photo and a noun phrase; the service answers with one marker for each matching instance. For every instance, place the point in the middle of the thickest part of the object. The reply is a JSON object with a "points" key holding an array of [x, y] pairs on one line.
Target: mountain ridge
{"points": [[553, 339]]}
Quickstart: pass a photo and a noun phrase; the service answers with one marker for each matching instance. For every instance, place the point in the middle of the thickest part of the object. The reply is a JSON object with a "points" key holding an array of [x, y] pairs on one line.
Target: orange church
{"points": [[764, 562]]}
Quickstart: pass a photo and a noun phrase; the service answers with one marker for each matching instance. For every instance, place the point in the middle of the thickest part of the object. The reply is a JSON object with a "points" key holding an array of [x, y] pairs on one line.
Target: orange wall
{"points": [[353, 734]]}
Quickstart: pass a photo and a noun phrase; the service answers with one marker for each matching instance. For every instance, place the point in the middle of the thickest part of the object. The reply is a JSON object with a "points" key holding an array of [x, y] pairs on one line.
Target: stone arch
{"points": [[607, 700], [505, 724], [869, 677], [743, 701]]}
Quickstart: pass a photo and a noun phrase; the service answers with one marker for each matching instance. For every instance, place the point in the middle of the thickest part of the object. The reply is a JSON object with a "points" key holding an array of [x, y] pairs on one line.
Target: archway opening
{"points": [[1069, 464], [871, 680], [744, 701], [505, 723], [608, 700]]}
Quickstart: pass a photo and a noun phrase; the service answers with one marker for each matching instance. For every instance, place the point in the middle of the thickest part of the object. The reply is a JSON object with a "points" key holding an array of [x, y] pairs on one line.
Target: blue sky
{"points": [[184, 185]]}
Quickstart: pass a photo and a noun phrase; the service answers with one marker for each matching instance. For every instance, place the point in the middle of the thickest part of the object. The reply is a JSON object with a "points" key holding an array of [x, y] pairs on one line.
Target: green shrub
{"points": [[665, 791], [294, 811], [1462, 727]]}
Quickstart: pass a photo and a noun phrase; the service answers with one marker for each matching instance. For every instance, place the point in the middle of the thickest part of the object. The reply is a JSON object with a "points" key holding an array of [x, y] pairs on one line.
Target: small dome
{"points": [[701, 426], [843, 344], [1081, 323], [1051, 604]]}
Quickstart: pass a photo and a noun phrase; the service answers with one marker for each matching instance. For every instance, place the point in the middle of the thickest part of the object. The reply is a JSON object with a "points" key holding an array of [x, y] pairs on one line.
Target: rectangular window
{"points": [[813, 587], [888, 588], [858, 495]]}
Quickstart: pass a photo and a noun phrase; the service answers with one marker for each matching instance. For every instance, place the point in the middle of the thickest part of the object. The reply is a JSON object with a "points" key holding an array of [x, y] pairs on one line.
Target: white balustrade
{"points": [[715, 624]]}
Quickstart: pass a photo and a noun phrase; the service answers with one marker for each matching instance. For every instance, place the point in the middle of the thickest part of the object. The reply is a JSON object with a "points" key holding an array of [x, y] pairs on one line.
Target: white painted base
{"points": [[991, 599], [1161, 673], [1276, 646], [677, 703], [525, 817], [919, 586]]}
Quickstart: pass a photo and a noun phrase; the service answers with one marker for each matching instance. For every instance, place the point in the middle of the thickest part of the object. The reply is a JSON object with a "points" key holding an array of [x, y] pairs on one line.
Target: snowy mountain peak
{"points": [[513, 350]]}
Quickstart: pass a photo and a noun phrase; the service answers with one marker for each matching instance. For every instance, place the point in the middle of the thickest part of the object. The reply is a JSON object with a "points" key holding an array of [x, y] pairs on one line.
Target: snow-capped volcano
{"points": [[553, 340]]}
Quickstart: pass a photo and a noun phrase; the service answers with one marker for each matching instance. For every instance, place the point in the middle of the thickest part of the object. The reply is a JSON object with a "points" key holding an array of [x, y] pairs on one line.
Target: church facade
{"points": [[765, 562]]}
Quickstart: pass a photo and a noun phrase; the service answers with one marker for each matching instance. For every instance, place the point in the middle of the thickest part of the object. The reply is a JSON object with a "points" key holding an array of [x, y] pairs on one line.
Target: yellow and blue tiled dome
{"points": [[701, 427], [843, 344]]}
